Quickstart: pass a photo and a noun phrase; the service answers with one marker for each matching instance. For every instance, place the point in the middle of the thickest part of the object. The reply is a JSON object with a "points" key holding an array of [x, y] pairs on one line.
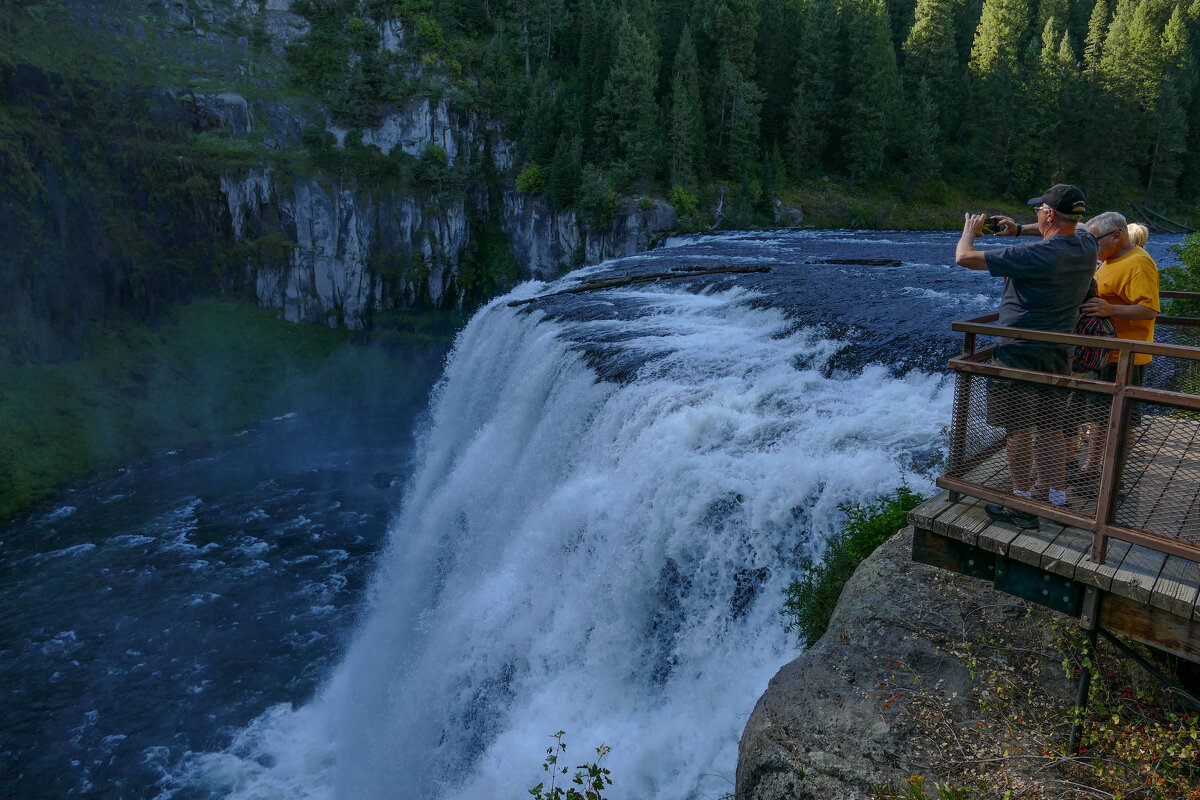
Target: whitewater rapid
{"points": [[600, 557]]}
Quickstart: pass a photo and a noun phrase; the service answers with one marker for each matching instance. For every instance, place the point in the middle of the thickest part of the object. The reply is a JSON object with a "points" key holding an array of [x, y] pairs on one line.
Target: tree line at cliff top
{"points": [[998, 97]]}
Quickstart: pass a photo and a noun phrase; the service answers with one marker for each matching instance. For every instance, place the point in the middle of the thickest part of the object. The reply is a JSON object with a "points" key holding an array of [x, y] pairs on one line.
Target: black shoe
{"points": [[1011, 516]]}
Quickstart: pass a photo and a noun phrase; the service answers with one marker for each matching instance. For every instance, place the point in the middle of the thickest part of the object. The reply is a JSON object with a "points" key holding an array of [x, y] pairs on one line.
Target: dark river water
{"points": [[152, 615]]}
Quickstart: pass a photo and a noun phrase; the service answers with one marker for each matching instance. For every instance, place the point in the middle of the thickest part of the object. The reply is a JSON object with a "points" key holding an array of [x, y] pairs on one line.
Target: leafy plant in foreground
{"points": [[591, 777]]}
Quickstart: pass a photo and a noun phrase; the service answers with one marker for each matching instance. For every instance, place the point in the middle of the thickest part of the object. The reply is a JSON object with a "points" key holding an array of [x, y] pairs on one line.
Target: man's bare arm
{"points": [[965, 254]]}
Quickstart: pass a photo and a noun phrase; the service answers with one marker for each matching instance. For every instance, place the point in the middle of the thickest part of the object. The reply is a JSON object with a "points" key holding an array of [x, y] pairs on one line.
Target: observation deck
{"points": [[1124, 554]]}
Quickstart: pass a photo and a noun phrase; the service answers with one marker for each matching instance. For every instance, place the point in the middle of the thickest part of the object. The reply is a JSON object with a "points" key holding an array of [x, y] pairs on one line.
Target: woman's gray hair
{"points": [[1106, 223]]}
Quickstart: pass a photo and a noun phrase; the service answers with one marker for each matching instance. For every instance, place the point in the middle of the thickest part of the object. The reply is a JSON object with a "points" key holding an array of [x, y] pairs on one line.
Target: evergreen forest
{"points": [[917, 98]]}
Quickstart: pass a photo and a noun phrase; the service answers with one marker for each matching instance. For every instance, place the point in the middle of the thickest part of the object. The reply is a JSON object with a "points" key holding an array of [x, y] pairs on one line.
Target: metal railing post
{"points": [[1114, 453], [962, 407]]}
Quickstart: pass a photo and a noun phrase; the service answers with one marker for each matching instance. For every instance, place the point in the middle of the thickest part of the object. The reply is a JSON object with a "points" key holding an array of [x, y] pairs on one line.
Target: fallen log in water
{"points": [[1146, 213], [592, 284], [868, 262]]}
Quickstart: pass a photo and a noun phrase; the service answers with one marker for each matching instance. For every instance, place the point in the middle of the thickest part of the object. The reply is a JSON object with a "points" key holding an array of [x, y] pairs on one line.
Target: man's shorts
{"points": [[1019, 405], [1089, 407]]}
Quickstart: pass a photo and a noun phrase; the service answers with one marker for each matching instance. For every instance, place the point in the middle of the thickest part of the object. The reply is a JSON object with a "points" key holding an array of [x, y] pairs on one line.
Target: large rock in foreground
{"points": [[867, 705]]}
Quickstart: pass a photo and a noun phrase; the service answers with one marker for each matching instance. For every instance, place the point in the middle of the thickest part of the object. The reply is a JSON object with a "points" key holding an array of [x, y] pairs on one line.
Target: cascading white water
{"points": [[605, 559]]}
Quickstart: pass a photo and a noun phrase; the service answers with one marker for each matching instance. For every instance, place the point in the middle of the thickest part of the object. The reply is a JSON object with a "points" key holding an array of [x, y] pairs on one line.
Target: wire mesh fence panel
{"points": [[1011, 434], [972, 440], [1175, 374], [1157, 491]]}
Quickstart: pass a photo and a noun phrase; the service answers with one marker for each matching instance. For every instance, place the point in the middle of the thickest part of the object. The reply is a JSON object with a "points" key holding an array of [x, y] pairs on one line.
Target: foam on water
{"points": [[599, 558]]}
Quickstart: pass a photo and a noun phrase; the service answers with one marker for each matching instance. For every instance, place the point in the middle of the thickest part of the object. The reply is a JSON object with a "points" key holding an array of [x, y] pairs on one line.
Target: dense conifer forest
{"points": [[991, 98]]}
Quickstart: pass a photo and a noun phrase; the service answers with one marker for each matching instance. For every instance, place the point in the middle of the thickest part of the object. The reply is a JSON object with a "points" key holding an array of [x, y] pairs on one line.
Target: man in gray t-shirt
{"points": [[1045, 283]]}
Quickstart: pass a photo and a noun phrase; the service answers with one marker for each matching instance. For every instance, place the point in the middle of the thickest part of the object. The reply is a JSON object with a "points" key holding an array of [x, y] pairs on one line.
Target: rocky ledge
{"points": [[915, 676]]}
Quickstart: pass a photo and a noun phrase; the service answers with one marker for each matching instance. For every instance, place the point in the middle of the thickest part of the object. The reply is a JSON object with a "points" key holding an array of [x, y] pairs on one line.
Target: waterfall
{"points": [[594, 542]]}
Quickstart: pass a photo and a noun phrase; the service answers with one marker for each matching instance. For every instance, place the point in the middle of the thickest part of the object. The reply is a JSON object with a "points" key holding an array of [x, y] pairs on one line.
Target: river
{"points": [[588, 532]]}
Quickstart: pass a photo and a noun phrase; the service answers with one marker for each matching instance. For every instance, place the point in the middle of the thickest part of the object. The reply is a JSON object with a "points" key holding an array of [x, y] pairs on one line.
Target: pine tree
{"points": [[627, 118], [814, 102], [930, 55], [778, 31], [1189, 180], [737, 119], [540, 131], [686, 126], [1170, 135], [595, 56], [563, 179], [868, 107], [922, 162], [805, 142], [1118, 52], [1145, 65], [1052, 9], [999, 99], [732, 27], [1032, 155], [997, 39], [1094, 44]]}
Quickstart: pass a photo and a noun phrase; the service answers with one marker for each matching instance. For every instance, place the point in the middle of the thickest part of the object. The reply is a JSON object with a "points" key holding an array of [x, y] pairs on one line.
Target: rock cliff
{"points": [[877, 699], [198, 167], [340, 233]]}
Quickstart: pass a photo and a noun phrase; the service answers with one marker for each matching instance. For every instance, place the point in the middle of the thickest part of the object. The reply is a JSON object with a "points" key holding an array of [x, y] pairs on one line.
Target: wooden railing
{"points": [[1180, 405]]}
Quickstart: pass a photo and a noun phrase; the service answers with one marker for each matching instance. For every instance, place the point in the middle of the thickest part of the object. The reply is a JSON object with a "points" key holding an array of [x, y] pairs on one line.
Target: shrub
{"points": [[811, 597], [430, 38], [596, 196], [685, 202], [1184, 278], [591, 777], [532, 179]]}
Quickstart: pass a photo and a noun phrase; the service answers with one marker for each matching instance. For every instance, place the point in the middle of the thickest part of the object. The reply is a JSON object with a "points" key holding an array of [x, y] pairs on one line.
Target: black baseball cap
{"points": [[1063, 198]]}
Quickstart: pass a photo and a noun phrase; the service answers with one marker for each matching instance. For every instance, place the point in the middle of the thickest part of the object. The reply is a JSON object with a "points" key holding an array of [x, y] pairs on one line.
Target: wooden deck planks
{"points": [[996, 537], [956, 523], [923, 515], [1101, 575], [1177, 586], [1029, 545], [1063, 555], [974, 526], [1137, 573]]}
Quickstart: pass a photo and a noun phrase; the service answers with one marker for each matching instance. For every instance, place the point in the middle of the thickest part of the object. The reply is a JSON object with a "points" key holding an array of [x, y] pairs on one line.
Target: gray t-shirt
{"points": [[1047, 281]]}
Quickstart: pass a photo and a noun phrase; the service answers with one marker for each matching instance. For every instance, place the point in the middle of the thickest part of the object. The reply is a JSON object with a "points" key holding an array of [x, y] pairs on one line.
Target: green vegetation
{"points": [[590, 777], [811, 598], [1184, 278], [210, 368], [892, 102]]}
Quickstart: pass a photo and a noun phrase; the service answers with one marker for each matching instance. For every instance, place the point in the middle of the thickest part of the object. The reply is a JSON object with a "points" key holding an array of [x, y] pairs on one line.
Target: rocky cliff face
{"points": [[342, 234], [877, 698], [137, 195]]}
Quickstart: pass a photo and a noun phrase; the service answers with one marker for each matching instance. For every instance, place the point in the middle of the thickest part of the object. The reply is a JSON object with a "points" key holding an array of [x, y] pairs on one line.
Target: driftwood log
{"points": [[1156, 221], [869, 262], [593, 284]]}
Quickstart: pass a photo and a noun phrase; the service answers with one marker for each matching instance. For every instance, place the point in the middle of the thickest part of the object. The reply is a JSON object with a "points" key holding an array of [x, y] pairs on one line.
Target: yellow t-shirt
{"points": [[1130, 279]]}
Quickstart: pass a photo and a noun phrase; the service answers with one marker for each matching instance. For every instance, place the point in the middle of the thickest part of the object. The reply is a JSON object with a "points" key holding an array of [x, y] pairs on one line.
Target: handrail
{"points": [[1120, 391], [984, 326]]}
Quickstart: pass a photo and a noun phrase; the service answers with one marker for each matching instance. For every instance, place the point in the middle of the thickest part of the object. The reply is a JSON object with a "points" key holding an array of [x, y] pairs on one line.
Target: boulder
{"points": [[860, 708]]}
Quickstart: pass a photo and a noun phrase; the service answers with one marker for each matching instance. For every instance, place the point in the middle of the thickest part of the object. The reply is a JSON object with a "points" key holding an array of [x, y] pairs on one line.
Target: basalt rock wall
{"points": [[131, 196]]}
